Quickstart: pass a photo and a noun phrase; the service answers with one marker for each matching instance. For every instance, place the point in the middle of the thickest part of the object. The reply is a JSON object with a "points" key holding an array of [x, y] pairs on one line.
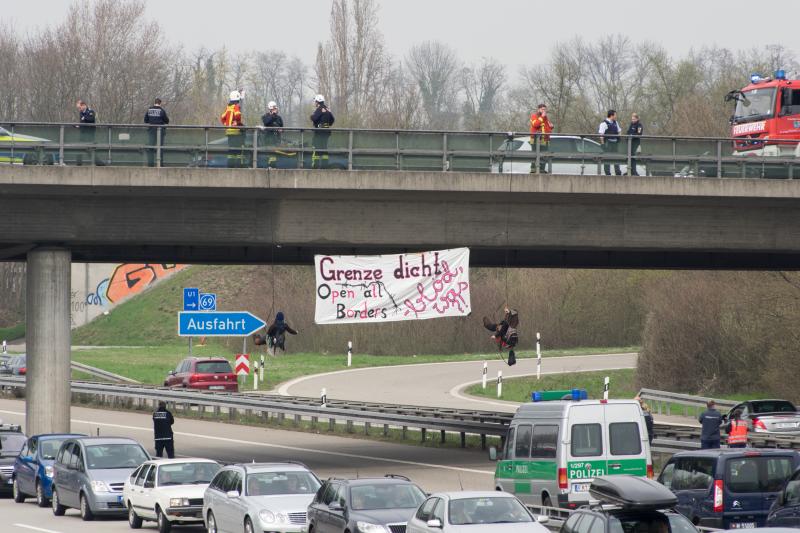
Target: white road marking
{"points": [[283, 390], [34, 528], [282, 447]]}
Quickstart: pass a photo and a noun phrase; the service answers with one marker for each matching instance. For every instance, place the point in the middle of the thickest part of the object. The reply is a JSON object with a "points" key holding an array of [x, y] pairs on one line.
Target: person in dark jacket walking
{"points": [[711, 420], [635, 131], [276, 334], [610, 131], [162, 430], [157, 117], [273, 123], [87, 119], [322, 119]]}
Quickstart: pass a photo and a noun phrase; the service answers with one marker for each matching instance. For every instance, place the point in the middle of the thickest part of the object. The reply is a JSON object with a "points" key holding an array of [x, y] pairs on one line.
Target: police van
{"points": [[555, 448]]}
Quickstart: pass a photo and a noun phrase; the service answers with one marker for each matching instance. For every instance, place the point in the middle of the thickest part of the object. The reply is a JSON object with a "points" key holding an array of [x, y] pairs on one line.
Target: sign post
{"points": [[538, 356]]}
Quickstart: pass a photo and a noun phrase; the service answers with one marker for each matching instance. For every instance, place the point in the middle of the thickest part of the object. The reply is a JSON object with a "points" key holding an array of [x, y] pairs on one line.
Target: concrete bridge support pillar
{"points": [[48, 339]]}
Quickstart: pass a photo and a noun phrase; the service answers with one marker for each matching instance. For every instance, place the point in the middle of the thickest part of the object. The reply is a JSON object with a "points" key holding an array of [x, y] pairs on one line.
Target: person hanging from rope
{"points": [[276, 335], [505, 333]]}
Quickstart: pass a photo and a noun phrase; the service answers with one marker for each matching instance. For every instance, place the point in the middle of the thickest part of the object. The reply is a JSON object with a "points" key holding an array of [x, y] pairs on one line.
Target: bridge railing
{"points": [[359, 149]]}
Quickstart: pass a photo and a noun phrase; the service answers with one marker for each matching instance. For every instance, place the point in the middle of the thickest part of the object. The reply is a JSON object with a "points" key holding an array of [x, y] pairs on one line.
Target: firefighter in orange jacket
{"points": [[232, 119], [737, 431], [541, 128]]}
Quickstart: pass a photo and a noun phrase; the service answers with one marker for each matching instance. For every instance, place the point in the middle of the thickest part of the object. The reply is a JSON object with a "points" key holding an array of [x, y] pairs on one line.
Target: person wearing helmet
{"points": [[232, 120], [274, 122], [504, 333], [322, 118]]}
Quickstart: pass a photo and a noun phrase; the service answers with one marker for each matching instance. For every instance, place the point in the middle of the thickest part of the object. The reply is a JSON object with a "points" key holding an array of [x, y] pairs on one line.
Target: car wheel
{"points": [[164, 525], [134, 520], [58, 509], [19, 497], [547, 502], [86, 512], [248, 526], [41, 499], [211, 523]]}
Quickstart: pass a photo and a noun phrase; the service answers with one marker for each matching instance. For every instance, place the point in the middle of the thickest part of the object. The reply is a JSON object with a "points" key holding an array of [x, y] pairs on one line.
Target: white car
{"points": [[168, 491], [571, 155], [474, 512]]}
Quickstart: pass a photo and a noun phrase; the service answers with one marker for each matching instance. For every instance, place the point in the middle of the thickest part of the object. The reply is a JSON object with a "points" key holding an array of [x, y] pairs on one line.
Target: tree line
{"points": [[109, 53]]}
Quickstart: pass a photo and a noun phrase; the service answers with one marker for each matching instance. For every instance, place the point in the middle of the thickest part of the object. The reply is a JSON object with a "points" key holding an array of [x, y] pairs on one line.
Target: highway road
{"points": [[432, 468], [440, 384]]}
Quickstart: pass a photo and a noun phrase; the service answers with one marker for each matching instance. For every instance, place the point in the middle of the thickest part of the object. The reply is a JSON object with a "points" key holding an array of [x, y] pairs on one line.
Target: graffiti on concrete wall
{"points": [[129, 279]]}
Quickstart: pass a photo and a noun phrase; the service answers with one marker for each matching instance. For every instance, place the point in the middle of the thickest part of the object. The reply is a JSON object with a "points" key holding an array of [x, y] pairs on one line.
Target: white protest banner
{"points": [[387, 288]]}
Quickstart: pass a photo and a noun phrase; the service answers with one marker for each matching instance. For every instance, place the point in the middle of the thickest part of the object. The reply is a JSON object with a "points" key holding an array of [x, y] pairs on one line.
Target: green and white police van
{"points": [[554, 449]]}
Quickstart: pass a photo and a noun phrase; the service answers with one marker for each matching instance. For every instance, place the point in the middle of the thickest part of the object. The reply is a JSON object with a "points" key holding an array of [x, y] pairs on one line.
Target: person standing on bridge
{"points": [[635, 131], [541, 128], [162, 430], [157, 117], [610, 131], [232, 120], [322, 119], [273, 123], [711, 420], [87, 119]]}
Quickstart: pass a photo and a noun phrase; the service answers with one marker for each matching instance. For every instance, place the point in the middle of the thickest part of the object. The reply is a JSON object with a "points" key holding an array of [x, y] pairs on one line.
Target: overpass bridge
{"points": [[367, 200]]}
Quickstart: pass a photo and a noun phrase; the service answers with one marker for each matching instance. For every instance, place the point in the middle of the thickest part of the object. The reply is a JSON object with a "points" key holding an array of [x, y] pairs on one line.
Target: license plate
{"points": [[216, 387], [580, 487], [743, 525]]}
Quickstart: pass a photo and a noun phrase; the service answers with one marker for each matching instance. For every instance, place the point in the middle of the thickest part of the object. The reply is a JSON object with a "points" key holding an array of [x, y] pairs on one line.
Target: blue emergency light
{"points": [[755, 78], [573, 394], [780, 74]]}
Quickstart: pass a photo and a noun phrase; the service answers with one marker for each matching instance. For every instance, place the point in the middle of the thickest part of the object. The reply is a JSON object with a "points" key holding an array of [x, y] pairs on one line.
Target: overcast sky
{"points": [[518, 32]]}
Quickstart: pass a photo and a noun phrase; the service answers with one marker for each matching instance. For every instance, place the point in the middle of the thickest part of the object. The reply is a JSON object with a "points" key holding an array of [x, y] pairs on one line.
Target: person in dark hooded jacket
{"points": [[276, 335], [505, 333]]}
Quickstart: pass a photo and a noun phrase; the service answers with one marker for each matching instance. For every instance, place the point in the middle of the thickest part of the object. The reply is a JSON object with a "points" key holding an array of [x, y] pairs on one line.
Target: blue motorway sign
{"points": [[208, 302], [191, 299], [218, 324]]}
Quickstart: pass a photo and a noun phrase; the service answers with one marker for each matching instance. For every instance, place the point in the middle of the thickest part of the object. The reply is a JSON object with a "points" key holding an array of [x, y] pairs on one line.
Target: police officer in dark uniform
{"points": [[162, 430], [157, 117], [87, 119], [323, 119], [610, 131]]}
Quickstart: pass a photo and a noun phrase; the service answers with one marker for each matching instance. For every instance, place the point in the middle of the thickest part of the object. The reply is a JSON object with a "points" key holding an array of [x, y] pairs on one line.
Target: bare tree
{"points": [[435, 67], [482, 85]]}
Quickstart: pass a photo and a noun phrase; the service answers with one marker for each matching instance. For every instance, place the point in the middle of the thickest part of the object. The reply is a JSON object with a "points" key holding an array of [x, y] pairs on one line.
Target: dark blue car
{"points": [[785, 511], [33, 469], [728, 488]]}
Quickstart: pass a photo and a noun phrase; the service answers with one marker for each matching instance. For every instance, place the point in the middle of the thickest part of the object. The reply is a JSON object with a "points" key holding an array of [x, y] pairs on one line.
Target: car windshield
{"points": [[186, 473], [774, 406], [759, 104], [101, 456], [213, 367], [650, 522], [275, 483], [386, 496], [11, 443], [49, 448], [510, 146], [495, 510]]}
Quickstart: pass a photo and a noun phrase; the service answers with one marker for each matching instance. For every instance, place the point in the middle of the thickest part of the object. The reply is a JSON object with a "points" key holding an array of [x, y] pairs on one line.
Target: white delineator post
{"points": [[5, 346], [324, 397], [255, 377], [349, 353], [261, 369], [605, 387], [485, 372], [499, 383], [538, 356]]}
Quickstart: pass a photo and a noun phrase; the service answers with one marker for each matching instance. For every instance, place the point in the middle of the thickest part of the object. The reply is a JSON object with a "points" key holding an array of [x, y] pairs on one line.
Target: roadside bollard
{"points": [[261, 369], [255, 377], [324, 397], [485, 371], [605, 387], [349, 353], [499, 383], [5, 346], [538, 357]]}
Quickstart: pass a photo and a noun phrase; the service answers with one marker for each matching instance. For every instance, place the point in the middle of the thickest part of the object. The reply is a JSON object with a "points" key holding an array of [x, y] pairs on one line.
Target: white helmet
{"points": [[319, 99], [235, 96], [272, 105]]}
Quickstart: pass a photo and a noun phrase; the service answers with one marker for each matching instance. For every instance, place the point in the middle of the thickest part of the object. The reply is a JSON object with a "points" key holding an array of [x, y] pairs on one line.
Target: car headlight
{"points": [[179, 502], [100, 486], [48, 471], [366, 527], [266, 516]]}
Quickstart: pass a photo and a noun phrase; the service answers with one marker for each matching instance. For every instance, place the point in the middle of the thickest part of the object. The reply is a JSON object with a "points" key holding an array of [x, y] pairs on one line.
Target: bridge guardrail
{"points": [[358, 149]]}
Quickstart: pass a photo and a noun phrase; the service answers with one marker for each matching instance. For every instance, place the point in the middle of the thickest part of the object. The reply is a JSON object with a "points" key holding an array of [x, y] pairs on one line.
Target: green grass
{"points": [[151, 364], [12, 333], [622, 385]]}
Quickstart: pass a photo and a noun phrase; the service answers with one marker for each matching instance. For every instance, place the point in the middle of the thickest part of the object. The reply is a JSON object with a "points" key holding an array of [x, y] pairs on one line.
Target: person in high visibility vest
{"points": [[232, 120], [541, 128], [737, 431]]}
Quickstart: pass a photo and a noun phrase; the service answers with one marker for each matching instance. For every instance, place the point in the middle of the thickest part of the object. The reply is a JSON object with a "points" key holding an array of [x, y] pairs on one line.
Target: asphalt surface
{"points": [[441, 384], [433, 469]]}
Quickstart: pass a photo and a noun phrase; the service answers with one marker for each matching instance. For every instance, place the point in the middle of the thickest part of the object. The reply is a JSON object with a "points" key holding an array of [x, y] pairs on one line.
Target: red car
{"points": [[211, 373]]}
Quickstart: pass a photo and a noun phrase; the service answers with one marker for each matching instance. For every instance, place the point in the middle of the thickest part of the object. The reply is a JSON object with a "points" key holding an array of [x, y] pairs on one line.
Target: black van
{"points": [[728, 488]]}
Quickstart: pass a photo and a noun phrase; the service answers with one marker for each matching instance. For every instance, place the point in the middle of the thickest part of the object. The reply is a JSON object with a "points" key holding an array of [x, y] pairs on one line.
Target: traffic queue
{"points": [[590, 458]]}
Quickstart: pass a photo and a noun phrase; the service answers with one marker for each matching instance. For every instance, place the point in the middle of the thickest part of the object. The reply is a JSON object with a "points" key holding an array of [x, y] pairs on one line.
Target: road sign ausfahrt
{"points": [[218, 324]]}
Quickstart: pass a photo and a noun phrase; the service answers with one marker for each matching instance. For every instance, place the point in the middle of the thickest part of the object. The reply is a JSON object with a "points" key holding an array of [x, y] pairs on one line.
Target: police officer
{"points": [[157, 117], [711, 420], [87, 119], [162, 430], [635, 132], [609, 137], [322, 119]]}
